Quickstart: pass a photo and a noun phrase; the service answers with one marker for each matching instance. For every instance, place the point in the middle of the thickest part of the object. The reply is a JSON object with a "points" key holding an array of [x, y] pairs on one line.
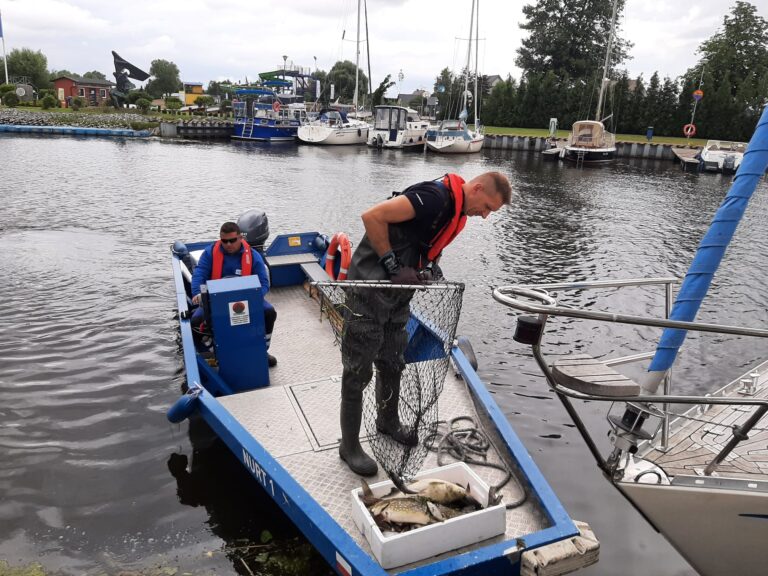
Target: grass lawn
{"points": [[543, 133]]}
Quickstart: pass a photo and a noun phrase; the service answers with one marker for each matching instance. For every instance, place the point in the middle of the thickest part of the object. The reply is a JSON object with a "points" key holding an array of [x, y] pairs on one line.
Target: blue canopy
{"points": [[253, 92]]}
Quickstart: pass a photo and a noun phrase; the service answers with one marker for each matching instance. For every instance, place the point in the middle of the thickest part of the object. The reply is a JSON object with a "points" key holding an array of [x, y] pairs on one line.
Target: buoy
{"points": [[184, 406], [689, 130]]}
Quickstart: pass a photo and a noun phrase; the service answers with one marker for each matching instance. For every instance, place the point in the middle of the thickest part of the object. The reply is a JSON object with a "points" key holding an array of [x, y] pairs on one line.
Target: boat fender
{"points": [[463, 344], [184, 406], [181, 251], [340, 242], [529, 330], [689, 130]]}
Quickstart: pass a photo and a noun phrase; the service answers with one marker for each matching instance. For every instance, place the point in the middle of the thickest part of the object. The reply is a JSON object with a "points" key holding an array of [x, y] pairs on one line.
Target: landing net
{"points": [[400, 328]]}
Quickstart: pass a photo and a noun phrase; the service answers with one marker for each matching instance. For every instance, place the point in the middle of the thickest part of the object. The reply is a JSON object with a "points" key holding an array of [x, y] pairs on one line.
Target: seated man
{"points": [[232, 256]]}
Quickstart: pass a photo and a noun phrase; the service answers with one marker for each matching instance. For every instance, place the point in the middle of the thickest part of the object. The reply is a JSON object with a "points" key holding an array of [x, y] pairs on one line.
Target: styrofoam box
{"points": [[395, 550]]}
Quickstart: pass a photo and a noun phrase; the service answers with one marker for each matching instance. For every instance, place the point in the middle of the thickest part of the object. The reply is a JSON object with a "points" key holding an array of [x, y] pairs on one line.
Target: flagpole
{"points": [[5, 60]]}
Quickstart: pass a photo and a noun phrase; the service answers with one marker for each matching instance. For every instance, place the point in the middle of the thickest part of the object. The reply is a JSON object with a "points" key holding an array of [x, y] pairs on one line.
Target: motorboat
{"points": [[282, 423], [263, 115], [397, 127], [722, 156]]}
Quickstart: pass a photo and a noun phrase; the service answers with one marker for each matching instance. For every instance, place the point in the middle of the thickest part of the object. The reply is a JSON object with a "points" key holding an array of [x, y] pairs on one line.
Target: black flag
{"points": [[133, 71]]}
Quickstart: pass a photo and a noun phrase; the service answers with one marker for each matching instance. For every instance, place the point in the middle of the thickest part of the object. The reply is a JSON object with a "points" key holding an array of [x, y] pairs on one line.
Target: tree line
{"points": [[562, 58]]}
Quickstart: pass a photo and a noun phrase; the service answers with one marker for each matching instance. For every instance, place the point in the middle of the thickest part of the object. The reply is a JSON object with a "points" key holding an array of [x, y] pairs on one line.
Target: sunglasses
{"points": [[229, 240]]}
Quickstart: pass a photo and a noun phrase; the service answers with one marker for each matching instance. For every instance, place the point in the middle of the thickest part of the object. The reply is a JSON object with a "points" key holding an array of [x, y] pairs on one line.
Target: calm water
{"points": [[89, 357]]}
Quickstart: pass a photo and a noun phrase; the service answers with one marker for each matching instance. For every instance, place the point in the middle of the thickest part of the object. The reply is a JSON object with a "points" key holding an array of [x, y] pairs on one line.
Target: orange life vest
{"points": [[454, 183], [246, 260]]}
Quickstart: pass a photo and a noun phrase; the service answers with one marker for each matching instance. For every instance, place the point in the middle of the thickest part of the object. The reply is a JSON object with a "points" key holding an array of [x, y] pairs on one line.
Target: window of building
{"points": [[81, 91], [103, 93]]}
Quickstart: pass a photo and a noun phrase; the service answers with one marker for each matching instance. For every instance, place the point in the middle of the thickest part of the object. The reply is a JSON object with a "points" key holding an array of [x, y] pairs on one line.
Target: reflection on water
{"points": [[93, 478]]}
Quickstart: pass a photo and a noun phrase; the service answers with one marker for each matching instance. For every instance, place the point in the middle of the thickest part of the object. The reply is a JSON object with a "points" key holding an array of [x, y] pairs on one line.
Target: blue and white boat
{"points": [[264, 115], [282, 423]]}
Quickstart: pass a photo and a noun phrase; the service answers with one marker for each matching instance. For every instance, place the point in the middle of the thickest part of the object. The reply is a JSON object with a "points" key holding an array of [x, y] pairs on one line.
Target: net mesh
{"points": [[405, 335]]}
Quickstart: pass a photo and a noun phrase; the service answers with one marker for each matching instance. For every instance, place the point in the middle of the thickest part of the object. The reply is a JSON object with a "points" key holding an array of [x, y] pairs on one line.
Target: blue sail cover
{"points": [[710, 252]]}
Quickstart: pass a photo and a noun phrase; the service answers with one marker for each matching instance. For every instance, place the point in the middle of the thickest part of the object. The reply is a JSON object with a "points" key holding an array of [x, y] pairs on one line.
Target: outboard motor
{"points": [[254, 224]]}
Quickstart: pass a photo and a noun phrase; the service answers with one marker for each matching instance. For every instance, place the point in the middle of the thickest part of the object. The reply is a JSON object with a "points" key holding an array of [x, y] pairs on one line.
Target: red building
{"points": [[92, 90]]}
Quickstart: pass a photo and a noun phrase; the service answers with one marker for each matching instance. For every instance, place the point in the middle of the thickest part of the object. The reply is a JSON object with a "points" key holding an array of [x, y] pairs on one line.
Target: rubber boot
{"points": [[349, 449], [388, 419]]}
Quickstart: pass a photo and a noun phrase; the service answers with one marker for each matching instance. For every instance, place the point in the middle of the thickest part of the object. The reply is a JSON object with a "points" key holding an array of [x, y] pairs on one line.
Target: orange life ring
{"points": [[689, 130], [339, 242], [276, 106]]}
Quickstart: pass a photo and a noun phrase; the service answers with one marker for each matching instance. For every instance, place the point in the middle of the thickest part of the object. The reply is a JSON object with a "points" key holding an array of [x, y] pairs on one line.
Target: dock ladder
{"points": [[580, 154], [248, 129]]}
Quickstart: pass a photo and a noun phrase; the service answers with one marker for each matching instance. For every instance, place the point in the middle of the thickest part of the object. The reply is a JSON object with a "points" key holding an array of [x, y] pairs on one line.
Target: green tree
{"points": [[29, 63], [48, 102], [378, 94], [143, 105], [205, 101], [135, 95], [59, 73], [570, 40], [166, 78], [94, 75], [10, 99], [732, 64], [342, 75]]}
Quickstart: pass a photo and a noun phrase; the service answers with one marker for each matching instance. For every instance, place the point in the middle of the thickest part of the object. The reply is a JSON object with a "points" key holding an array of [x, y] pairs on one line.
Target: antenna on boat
{"points": [[477, 51], [469, 53], [357, 58], [604, 81]]}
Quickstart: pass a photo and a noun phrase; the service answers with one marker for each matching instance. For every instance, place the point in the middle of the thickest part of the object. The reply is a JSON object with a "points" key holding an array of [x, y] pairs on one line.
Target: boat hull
{"points": [[333, 136], [588, 155], [716, 529], [443, 144], [265, 131], [411, 138]]}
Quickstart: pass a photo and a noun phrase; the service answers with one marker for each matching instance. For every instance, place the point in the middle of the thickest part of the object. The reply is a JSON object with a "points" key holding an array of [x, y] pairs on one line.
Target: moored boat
{"points": [[397, 127], [589, 142], [261, 114], [282, 424], [334, 127], [698, 476], [722, 156]]}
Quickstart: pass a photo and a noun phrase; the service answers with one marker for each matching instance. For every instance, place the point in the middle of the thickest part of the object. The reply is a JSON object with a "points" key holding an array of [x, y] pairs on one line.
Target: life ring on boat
{"points": [[689, 130], [339, 242], [276, 106]]}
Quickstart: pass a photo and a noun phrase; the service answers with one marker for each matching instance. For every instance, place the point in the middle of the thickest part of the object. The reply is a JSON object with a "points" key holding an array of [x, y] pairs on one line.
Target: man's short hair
{"points": [[229, 227], [501, 185]]}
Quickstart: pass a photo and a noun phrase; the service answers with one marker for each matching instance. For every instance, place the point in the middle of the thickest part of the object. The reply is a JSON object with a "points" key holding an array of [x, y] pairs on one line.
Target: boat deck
{"points": [[296, 419], [694, 443]]}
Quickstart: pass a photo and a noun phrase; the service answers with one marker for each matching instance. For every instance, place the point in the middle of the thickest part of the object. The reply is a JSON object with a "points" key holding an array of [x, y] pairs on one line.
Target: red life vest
{"points": [[454, 183], [246, 260]]}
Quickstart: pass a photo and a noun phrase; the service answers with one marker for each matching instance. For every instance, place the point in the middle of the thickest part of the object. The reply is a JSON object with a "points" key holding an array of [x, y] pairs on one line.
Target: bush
{"points": [[6, 88], [172, 103], [205, 101], [143, 104], [48, 102], [135, 95], [10, 99], [77, 103]]}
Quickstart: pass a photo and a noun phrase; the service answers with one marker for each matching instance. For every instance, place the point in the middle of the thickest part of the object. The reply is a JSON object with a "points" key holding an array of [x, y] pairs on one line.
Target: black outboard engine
{"points": [[254, 225]]}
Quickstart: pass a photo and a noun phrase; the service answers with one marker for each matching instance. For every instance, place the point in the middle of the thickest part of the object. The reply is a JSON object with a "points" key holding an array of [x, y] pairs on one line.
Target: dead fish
{"points": [[406, 510], [440, 491]]}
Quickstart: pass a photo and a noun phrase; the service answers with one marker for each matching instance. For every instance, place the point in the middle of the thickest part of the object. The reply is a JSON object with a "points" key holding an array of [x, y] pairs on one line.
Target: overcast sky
{"points": [[235, 39]]}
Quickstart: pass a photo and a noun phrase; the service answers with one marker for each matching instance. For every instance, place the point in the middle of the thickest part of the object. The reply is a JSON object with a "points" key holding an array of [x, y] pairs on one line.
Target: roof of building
{"points": [[493, 78], [87, 81]]}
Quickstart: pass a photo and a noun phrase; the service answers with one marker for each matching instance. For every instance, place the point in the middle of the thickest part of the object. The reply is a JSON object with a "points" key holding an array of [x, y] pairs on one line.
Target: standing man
{"points": [[232, 256], [403, 235]]}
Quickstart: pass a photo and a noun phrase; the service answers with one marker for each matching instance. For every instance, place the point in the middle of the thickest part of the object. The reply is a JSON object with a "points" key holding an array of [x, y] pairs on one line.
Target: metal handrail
{"points": [[548, 307], [501, 295]]}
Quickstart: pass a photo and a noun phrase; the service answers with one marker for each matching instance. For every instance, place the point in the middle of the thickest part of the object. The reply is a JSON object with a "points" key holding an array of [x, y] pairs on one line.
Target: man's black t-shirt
{"points": [[433, 204]]}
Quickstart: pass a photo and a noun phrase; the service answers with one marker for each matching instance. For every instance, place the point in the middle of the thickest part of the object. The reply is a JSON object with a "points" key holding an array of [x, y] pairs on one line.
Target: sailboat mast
{"points": [[604, 82], [357, 57], [477, 40], [469, 53]]}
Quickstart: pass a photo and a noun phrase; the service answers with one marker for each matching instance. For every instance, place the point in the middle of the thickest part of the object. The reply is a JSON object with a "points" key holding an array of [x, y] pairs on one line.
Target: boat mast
{"points": [[477, 40], [604, 82], [469, 52], [357, 57]]}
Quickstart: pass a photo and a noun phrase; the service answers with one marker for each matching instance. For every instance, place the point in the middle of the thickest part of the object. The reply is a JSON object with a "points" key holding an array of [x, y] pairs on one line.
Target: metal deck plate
{"points": [[297, 419]]}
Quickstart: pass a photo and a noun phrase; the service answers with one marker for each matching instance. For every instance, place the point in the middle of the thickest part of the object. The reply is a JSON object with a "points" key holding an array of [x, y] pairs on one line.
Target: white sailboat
{"points": [[454, 136], [333, 127], [589, 142]]}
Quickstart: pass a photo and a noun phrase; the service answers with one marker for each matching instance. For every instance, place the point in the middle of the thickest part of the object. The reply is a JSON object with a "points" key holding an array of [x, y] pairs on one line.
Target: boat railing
{"points": [[536, 299]]}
